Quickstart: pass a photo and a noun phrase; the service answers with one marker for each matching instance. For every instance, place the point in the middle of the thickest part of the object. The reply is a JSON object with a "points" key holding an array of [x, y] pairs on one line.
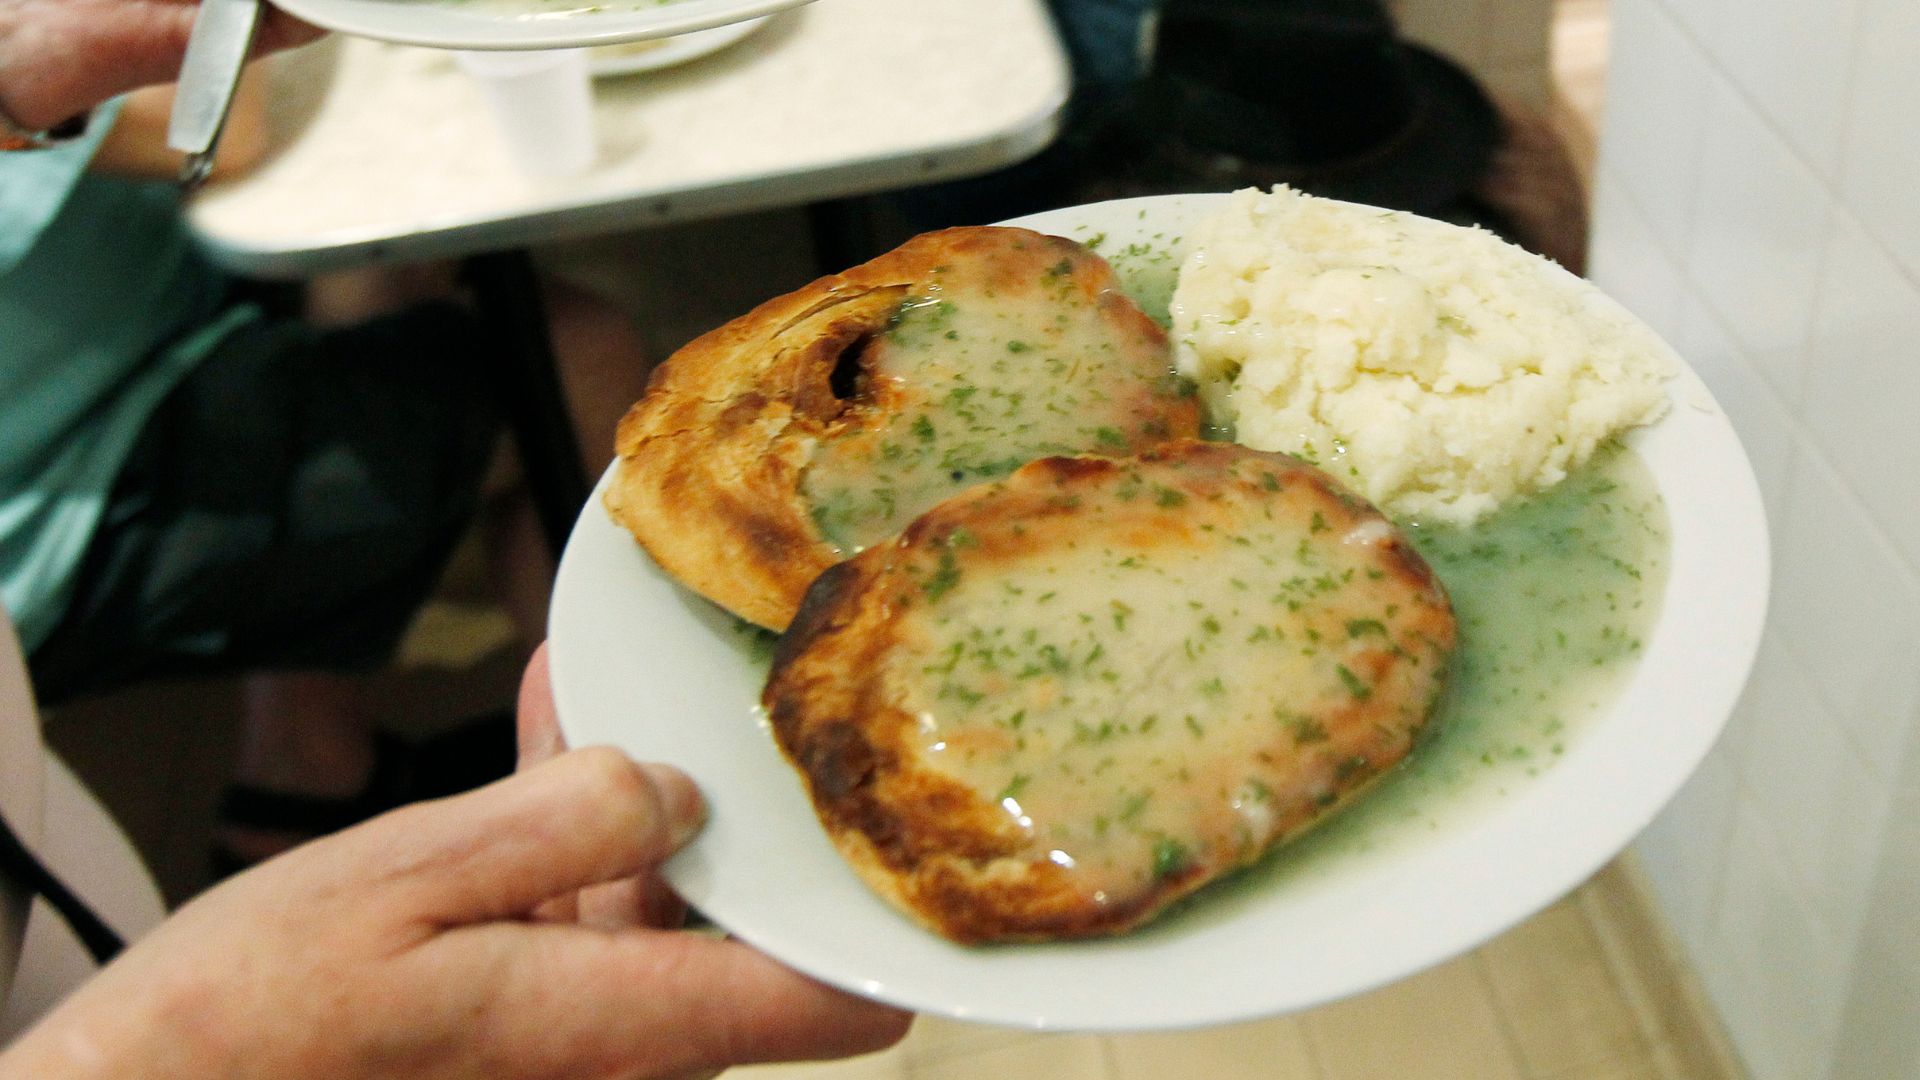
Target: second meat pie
{"points": [[824, 421], [1058, 703]]}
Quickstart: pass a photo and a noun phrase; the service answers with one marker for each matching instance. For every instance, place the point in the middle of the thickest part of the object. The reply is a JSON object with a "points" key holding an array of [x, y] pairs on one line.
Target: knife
{"points": [[222, 37]]}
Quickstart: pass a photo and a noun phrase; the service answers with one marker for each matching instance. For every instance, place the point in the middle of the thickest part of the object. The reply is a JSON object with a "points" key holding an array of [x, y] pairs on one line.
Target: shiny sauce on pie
{"points": [[979, 379], [1118, 704]]}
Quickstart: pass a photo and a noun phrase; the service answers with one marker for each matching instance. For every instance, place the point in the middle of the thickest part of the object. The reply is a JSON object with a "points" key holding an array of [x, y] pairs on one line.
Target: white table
{"points": [[385, 153]]}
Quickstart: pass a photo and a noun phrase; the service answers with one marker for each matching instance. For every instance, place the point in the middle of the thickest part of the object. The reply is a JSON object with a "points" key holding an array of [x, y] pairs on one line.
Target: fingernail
{"points": [[680, 798]]}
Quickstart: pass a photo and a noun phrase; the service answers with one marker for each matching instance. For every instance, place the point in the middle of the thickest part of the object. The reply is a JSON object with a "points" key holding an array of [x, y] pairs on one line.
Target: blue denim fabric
{"points": [[1103, 41]]}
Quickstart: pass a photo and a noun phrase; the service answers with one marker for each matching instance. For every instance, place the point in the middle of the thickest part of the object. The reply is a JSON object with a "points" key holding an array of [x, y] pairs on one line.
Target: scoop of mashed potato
{"points": [[1437, 369]]}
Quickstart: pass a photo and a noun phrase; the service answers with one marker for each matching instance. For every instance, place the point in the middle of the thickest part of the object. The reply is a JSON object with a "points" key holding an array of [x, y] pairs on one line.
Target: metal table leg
{"points": [[522, 366]]}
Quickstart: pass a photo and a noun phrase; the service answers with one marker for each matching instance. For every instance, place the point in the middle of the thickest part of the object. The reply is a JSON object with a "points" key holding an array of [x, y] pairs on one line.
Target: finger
{"points": [[652, 1003], [63, 59], [637, 901], [733, 1005], [560, 909], [661, 906], [536, 722], [617, 905], [74, 57], [585, 818]]}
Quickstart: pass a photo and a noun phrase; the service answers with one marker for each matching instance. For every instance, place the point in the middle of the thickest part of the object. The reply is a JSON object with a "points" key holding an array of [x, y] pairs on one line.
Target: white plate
{"points": [[526, 24], [635, 57], [642, 664]]}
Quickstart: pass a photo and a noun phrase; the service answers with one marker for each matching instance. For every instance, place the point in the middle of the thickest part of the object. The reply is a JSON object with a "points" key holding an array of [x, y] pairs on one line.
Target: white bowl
{"points": [[526, 24]]}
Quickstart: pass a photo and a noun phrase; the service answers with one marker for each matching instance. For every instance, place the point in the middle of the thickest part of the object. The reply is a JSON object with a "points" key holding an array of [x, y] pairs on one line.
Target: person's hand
{"points": [[639, 900], [59, 58], [426, 943]]}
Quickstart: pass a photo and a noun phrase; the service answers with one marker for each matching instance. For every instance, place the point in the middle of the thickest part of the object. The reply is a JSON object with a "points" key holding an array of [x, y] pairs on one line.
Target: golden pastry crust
{"points": [[716, 459], [1058, 703]]}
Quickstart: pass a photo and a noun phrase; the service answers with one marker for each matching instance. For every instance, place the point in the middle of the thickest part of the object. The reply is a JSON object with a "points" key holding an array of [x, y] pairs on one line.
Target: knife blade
{"points": [[217, 49]]}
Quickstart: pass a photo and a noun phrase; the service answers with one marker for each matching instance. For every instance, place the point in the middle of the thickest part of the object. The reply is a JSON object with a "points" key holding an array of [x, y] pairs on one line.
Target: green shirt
{"points": [[104, 305]]}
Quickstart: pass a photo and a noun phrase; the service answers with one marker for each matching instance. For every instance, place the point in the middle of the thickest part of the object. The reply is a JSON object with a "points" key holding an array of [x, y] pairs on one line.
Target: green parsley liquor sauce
{"points": [[1555, 597]]}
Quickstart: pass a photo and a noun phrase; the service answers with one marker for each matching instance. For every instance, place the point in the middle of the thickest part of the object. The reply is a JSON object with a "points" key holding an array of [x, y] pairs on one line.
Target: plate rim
{"points": [[388, 20], [678, 49], [1556, 865]]}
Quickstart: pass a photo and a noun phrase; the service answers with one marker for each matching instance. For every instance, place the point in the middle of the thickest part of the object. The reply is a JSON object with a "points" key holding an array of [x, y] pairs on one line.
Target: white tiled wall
{"points": [[1758, 201]]}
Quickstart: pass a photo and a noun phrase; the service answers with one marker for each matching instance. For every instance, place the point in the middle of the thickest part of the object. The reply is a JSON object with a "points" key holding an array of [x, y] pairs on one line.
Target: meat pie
{"points": [[1059, 702], [824, 421]]}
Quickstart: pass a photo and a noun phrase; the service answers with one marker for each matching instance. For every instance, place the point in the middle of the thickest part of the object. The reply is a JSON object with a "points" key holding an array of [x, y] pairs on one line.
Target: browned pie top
{"points": [[825, 420], [1059, 702]]}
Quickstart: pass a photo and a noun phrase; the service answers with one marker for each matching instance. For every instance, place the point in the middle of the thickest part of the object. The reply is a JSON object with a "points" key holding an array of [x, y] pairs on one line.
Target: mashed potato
{"points": [[1436, 369]]}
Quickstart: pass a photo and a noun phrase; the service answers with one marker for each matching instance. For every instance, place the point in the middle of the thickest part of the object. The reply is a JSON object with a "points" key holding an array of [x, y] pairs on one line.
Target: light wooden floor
{"points": [[1583, 991]]}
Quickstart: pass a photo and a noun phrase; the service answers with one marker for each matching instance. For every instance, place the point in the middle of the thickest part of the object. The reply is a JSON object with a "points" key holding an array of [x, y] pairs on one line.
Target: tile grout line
{"points": [[1739, 88], [1668, 1015], [1646, 1017], [1771, 829], [1109, 1058], [1835, 188], [985, 1041], [1508, 1034], [1314, 1065], [1802, 435]]}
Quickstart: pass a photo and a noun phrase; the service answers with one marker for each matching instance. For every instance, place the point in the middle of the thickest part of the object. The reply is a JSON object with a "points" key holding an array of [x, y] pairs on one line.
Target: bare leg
{"points": [[603, 367], [307, 733], [522, 566], [351, 296], [603, 371], [303, 733]]}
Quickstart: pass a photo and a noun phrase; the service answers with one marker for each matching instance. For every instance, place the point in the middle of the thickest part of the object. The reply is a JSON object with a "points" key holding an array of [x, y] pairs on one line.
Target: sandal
{"points": [[472, 755]]}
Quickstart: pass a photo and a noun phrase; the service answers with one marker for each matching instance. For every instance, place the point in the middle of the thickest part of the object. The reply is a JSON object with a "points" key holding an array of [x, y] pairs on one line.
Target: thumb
{"points": [[650, 1003], [584, 818], [536, 722]]}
